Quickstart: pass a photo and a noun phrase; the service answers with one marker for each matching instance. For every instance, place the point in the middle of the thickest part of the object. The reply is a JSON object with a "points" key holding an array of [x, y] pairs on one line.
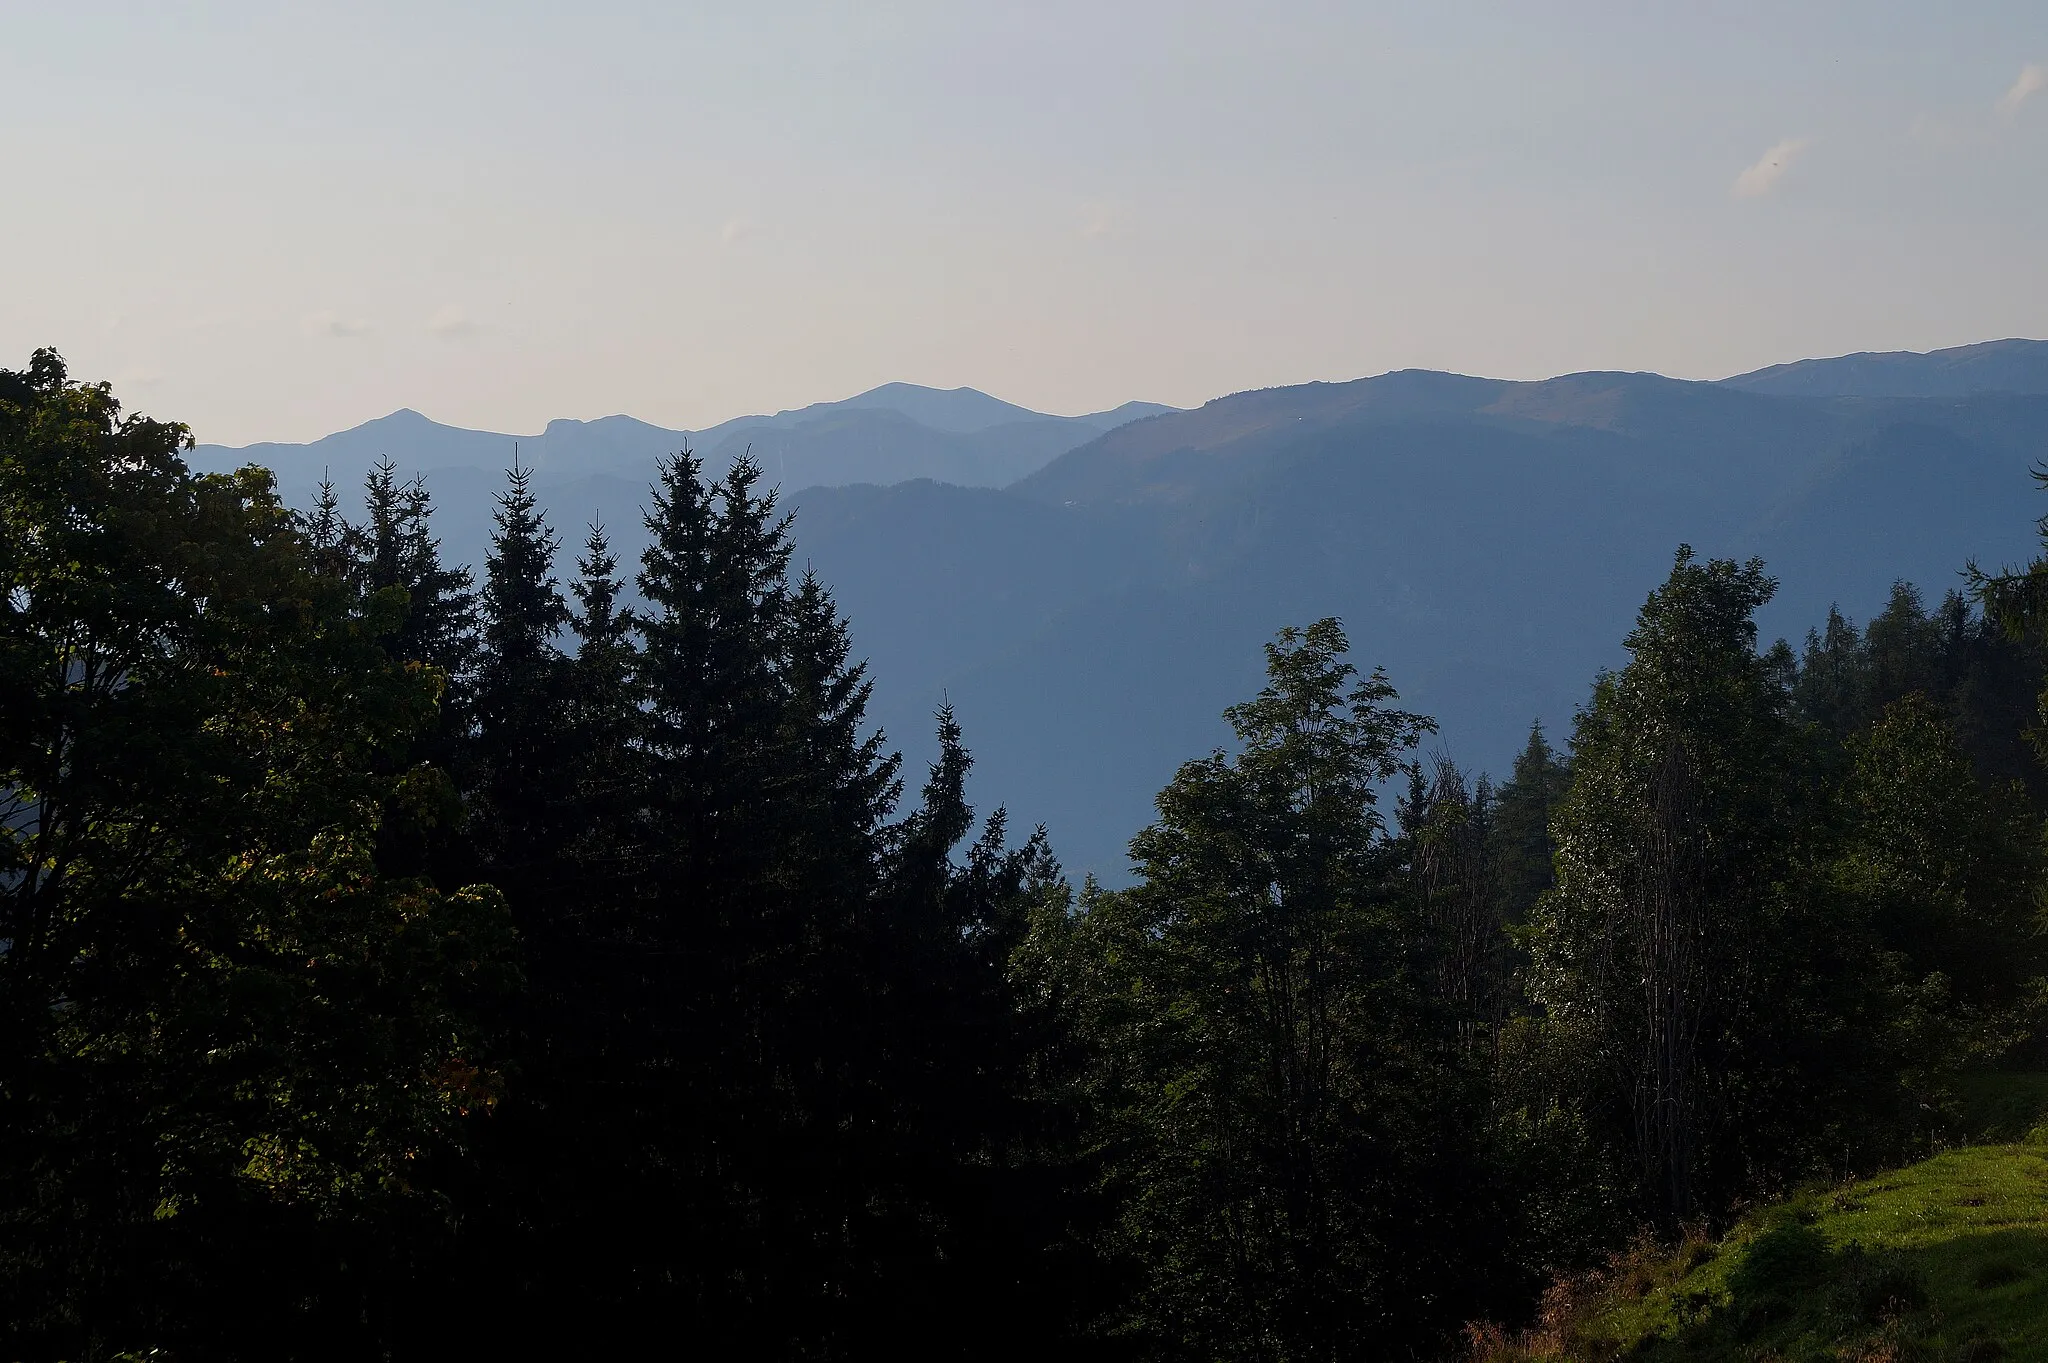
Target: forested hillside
{"points": [[550, 957], [1490, 538], [1091, 621]]}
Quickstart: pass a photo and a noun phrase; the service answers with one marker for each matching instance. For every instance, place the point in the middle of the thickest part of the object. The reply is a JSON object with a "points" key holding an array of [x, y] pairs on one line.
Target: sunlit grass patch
{"points": [[1944, 1260]]}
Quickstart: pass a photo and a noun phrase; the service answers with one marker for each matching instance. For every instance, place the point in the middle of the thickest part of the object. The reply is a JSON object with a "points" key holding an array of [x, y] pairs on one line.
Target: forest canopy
{"points": [[548, 956]]}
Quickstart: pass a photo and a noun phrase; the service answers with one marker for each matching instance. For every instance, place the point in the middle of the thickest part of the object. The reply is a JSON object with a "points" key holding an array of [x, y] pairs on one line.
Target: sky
{"points": [[277, 220]]}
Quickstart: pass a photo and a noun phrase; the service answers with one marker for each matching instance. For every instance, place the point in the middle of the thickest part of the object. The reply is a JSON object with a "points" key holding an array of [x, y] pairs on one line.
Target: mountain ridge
{"points": [[961, 433], [1487, 540], [2012, 365]]}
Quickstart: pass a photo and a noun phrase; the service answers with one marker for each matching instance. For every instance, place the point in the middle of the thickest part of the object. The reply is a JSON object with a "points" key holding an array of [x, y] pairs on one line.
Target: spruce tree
{"points": [[760, 1015], [397, 574], [602, 723], [1908, 651], [1457, 883], [380, 563], [395, 550], [440, 617], [1520, 836], [521, 697], [971, 1140], [333, 543], [712, 577], [838, 782], [702, 963]]}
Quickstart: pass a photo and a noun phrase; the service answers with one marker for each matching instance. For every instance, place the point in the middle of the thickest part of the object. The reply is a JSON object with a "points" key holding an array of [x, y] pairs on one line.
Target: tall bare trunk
{"points": [[1669, 915]]}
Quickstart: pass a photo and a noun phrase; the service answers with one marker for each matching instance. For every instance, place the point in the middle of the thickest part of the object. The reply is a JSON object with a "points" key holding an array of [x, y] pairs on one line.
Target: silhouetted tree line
{"points": [[399, 962]]}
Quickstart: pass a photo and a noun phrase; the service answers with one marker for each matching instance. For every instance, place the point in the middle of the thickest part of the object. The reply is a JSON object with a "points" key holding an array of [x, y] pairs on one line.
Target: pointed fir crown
{"points": [[598, 618], [523, 605]]}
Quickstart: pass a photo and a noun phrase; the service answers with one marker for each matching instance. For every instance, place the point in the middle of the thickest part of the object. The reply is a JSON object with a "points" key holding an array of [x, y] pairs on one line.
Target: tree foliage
{"points": [[233, 1045], [1277, 1102], [396, 963]]}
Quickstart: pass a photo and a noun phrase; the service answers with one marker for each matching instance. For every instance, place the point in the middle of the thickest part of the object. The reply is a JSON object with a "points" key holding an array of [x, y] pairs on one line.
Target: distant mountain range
{"points": [[2010, 366], [886, 435], [1090, 614]]}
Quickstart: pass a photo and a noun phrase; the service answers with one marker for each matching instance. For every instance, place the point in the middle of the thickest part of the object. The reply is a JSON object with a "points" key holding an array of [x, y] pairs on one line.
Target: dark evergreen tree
{"points": [[779, 1024], [603, 722], [1835, 686], [1959, 659], [521, 702], [395, 550], [332, 541], [727, 1000], [440, 616], [396, 568], [1520, 837], [1450, 829], [380, 557], [714, 580]]}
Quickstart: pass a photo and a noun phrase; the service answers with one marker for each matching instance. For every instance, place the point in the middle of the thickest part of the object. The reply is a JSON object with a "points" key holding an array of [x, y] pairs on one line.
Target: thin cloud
{"points": [[1927, 130], [2033, 79], [735, 231], [326, 323], [451, 322], [1759, 179]]}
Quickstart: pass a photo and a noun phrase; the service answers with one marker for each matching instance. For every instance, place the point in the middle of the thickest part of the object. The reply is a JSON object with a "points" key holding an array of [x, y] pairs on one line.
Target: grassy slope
{"points": [[1947, 1259]]}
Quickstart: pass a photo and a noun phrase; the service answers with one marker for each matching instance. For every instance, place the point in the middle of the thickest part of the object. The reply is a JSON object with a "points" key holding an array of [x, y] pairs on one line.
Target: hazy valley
{"points": [[1090, 592]]}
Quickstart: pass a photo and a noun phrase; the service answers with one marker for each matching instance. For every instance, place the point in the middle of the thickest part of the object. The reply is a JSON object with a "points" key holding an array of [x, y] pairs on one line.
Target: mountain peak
{"points": [[959, 410], [405, 422]]}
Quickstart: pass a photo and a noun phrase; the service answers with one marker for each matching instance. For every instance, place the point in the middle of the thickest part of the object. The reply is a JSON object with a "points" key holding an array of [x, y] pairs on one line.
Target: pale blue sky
{"points": [[276, 220]]}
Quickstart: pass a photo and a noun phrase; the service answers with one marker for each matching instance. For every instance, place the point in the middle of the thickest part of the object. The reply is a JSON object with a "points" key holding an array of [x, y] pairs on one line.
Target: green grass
{"points": [[1945, 1260]]}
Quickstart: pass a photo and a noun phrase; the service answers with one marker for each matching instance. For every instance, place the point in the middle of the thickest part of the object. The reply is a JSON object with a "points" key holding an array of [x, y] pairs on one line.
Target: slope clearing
{"points": [[1943, 1260]]}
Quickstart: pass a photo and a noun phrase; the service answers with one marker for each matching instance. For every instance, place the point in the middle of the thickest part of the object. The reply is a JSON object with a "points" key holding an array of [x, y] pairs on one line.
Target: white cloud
{"points": [[1758, 179], [735, 230], [2033, 79], [451, 321], [138, 376], [329, 323], [1098, 220]]}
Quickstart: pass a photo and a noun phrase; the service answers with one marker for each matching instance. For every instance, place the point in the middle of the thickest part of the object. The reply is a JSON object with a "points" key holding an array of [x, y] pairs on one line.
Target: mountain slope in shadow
{"points": [[886, 435], [2008, 366], [1487, 541]]}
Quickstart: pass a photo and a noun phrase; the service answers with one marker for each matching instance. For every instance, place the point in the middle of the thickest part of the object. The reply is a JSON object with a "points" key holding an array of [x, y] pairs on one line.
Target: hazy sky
{"points": [[276, 220]]}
